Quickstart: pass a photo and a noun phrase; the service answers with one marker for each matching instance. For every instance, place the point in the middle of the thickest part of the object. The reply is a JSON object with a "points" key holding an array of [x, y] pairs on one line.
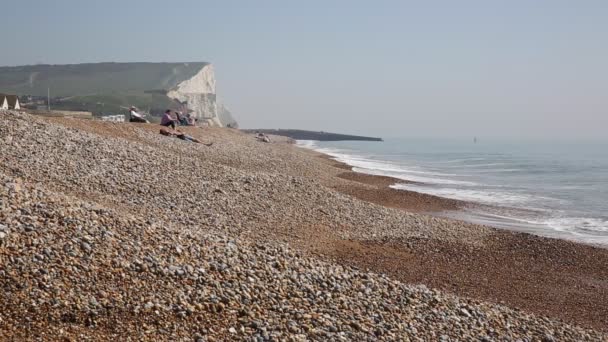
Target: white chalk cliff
{"points": [[199, 95]]}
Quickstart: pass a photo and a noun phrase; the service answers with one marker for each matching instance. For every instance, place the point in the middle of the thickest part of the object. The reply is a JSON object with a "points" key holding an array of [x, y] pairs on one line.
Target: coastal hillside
{"points": [[110, 88], [113, 231], [81, 79]]}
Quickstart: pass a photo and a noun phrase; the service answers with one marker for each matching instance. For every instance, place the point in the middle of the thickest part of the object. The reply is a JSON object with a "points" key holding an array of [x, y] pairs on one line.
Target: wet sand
{"points": [[382, 194]]}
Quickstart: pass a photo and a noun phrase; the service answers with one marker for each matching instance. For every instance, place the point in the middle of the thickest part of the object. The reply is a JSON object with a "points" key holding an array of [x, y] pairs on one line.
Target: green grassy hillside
{"points": [[91, 79]]}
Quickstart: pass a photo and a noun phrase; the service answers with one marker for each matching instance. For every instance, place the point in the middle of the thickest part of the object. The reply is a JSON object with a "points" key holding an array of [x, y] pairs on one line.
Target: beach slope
{"points": [[114, 231]]}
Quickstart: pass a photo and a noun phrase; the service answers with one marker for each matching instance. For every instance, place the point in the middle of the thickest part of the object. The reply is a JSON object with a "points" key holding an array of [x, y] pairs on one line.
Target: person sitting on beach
{"points": [[191, 121], [181, 119], [181, 135], [167, 120], [134, 116]]}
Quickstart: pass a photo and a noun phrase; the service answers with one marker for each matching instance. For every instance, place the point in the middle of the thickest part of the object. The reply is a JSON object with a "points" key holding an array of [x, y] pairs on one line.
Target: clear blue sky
{"points": [[426, 68]]}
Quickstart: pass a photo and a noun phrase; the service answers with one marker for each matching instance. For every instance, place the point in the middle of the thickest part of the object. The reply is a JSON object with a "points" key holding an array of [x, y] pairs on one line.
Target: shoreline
{"points": [[442, 207], [382, 194], [542, 275], [394, 198]]}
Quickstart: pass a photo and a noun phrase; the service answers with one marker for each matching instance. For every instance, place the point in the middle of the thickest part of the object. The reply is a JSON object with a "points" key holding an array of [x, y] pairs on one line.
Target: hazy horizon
{"points": [[515, 70]]}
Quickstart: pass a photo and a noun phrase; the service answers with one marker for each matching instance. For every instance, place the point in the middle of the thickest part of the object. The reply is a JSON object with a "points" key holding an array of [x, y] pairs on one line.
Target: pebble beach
{"points": [[112, 231]]}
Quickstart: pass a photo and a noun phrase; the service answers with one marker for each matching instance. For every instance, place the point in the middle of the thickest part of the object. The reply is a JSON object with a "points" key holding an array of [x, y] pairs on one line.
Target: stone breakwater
{"points": [[113, 231]]}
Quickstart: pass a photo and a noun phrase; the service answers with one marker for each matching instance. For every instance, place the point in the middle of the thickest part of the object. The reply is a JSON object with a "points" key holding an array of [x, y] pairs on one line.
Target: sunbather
{"points": [[262, 137], [181, 135]]}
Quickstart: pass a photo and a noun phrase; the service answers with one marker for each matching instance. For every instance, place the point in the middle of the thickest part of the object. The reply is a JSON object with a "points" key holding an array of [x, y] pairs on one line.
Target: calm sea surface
{"points": [[554, 189]]}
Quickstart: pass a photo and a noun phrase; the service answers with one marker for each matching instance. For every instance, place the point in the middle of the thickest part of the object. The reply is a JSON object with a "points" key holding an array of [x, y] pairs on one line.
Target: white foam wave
{"points": [[309, 144], [485, 165], [381, 168], [373, 165], [588, 225], [414, 178], [488, 197], [460, 160], [495, 170], [582, 229], [475, 166], [366, 164], [578, 226]]}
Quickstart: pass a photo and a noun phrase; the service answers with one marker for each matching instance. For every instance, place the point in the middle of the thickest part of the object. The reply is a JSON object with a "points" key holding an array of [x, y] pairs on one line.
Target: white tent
{"points": [[3, 102], [9, 102]]}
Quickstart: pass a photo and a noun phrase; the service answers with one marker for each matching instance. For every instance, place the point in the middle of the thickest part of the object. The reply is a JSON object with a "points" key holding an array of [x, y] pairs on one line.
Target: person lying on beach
{"points": [[262, 137], [181, 135], [134, 116], [168, 120]]}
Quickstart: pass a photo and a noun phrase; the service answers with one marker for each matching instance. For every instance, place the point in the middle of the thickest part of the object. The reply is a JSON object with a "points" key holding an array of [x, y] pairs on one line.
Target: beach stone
{"points": [[86, 246], [465, 312], [93, 301], [548, 338], [15, 186]]}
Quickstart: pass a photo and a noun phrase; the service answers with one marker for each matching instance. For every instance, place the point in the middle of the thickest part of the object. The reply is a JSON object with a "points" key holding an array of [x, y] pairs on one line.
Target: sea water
{"points": [[556, 189]]}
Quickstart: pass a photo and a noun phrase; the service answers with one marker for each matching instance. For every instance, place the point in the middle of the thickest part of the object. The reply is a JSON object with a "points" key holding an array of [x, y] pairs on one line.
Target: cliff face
{"points": [[199, 95]]}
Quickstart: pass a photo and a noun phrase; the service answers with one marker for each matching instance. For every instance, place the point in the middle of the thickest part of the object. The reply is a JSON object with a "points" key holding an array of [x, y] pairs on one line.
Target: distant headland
{"points": [[299, 134]]}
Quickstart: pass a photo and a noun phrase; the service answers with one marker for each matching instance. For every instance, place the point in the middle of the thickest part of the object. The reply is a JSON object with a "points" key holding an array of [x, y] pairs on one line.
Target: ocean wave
{"points": [[415, 178], [472, 166], [368, 165], [363, 163], [379, 168], [480, 196], [573, 225], [547, 222], [383, 168], [585, 225], [452, 161], [496, 170], [310, 144]]}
